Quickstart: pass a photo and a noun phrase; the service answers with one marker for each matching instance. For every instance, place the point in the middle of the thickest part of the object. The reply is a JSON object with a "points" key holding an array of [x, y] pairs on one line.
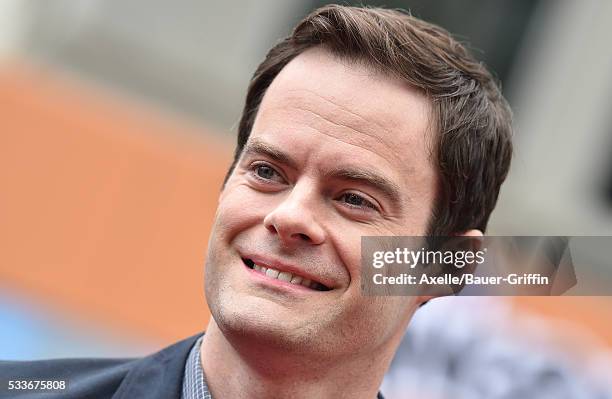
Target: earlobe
{"points": [[475, 243], [472, 233], [471, 240]]}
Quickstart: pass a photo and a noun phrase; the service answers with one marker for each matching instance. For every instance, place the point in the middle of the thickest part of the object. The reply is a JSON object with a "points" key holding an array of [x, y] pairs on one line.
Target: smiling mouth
{"points": [[285, 276]]}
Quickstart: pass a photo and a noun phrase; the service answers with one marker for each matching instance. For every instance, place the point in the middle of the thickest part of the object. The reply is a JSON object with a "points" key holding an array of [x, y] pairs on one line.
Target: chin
{"points": [[256, 323]]}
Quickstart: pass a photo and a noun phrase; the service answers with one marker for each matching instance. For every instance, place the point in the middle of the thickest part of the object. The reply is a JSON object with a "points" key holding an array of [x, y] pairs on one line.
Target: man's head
{"points": [[363, 122], [470, 120]]}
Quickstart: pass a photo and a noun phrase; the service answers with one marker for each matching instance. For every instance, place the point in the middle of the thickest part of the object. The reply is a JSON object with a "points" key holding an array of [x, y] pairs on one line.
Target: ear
{"points": [[471, 233], [476, 240], [476, 245]]}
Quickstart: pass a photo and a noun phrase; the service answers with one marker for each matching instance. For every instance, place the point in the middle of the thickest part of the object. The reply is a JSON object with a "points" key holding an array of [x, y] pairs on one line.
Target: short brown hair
{"points": [[473, 145]]}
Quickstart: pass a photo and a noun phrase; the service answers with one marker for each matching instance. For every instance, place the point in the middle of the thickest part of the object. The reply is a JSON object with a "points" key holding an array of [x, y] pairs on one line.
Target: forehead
{"points": [[342, 105]]}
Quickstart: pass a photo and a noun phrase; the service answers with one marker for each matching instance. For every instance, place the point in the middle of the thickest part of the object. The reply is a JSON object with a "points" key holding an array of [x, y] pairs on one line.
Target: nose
{"points": [[294, 220]]}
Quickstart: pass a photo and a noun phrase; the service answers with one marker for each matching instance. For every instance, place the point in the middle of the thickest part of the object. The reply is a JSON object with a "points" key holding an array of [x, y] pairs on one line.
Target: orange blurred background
{"points": [[106, 207]]}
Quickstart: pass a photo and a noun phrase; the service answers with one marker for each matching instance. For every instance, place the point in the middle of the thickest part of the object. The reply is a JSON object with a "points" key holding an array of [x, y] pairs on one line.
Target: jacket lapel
{"points": [[158, 376]]}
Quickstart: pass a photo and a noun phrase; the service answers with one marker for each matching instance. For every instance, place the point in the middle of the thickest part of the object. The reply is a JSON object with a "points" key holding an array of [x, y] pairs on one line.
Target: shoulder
{"points": [[83, 377], [155, 377]]}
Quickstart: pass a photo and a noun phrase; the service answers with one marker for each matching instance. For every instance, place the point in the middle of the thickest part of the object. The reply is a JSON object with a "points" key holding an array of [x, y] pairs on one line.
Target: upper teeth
{"points": [[286, 276]]}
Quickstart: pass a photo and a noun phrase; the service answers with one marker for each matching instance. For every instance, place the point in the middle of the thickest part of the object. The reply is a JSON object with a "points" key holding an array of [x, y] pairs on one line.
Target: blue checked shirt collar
{"points": [[194, 383]]}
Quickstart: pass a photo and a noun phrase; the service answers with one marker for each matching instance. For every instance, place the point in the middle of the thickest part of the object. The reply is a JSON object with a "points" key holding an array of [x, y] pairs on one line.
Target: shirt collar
{"points": [[194, 383]]}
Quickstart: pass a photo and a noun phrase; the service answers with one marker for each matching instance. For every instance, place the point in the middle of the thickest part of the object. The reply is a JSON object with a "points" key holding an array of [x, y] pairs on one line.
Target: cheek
{"points": [[239, 208], [346, 239], [348, 248], [236, 213], [372, 323]]}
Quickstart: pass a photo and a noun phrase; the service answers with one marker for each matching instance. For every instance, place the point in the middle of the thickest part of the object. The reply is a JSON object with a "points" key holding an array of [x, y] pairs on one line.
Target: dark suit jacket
{"points": [[158, 376]]}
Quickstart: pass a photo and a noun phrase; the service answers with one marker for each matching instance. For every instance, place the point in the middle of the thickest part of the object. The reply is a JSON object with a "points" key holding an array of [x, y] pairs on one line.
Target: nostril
{"points": [[304, 237]]}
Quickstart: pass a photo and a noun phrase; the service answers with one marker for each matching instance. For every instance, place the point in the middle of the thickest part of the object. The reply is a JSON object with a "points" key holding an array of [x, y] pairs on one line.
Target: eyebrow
{"points": [[372, 179], [380, 183], [257, 147]]}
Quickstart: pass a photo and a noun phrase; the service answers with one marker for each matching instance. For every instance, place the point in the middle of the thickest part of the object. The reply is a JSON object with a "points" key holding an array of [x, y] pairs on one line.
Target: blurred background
{"points": [[117, 124]]}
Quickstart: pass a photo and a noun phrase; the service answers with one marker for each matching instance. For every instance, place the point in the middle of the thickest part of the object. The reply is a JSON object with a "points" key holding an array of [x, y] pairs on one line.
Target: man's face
{"points": [[336, 152]]}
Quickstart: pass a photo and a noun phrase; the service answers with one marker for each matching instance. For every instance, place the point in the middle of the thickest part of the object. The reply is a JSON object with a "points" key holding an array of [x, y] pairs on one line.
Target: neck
{"points": [[235, 368]]}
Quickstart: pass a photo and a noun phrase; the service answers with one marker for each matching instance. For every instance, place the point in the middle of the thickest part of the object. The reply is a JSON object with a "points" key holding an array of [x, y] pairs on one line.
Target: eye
{"points": [[357, 201], [265, 172]]}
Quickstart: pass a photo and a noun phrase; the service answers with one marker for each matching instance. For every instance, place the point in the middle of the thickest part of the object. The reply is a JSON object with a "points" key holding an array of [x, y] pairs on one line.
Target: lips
{"points": [[281, 273]]}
